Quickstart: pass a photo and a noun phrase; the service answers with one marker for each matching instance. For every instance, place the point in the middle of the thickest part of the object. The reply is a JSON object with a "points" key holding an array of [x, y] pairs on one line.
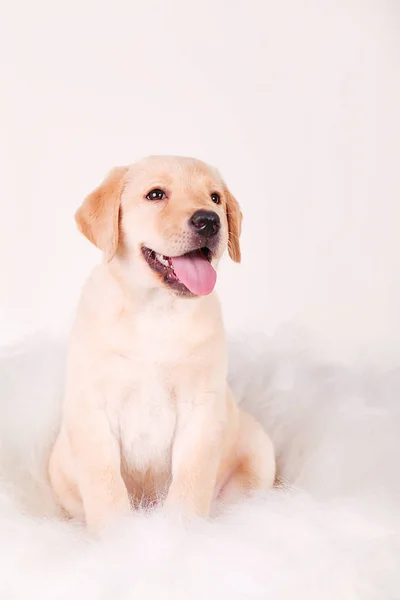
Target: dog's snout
{"points": [[205, 223]]}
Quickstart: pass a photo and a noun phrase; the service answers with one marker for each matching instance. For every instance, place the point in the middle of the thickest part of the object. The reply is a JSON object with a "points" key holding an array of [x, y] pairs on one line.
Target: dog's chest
{"points": [[151, 369], [147, 420]]}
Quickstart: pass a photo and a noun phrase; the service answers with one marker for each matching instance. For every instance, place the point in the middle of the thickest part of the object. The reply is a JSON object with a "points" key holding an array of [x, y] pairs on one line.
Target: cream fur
{"points": [[147, 412]]}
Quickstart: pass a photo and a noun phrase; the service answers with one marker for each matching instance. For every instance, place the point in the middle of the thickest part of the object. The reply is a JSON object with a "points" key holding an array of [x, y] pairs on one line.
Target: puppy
{"points": [[148, 413]]}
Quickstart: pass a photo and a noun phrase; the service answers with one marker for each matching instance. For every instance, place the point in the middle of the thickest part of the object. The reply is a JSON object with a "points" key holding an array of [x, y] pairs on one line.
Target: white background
{"points": [[296, 102]]}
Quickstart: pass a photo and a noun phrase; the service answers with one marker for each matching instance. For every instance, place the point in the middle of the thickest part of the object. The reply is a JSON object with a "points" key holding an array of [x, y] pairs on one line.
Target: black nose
{"points": [[205, 222]]}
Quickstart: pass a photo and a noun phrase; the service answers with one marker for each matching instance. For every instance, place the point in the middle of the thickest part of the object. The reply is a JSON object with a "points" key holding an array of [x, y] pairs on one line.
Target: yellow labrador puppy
{"points": [[148, 413]]}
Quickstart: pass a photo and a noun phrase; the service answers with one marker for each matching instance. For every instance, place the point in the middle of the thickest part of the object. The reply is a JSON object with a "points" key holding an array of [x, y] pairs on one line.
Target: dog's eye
{"points": [[156, 195], [215, 198]]}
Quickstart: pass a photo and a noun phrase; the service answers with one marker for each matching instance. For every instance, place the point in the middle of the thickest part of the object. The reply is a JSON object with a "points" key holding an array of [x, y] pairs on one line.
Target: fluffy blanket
{"points": [[330, 532]]}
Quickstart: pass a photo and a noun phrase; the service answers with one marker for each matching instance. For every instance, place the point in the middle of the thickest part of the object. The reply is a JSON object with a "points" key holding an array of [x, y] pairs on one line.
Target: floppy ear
{"points": [[235, 217], [98, 216]]}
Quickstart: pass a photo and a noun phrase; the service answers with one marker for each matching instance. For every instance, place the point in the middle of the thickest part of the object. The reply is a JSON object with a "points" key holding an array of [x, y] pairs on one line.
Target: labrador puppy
{"points": [[148, 414]]}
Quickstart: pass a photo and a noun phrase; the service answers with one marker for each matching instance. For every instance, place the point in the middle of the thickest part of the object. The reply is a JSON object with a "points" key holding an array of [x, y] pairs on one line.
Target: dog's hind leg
{"points": [[254, 467], [64, 488]]}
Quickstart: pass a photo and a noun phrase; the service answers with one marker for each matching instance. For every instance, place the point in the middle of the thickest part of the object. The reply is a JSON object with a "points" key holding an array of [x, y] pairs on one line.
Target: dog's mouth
{"points": [[189, 273]]}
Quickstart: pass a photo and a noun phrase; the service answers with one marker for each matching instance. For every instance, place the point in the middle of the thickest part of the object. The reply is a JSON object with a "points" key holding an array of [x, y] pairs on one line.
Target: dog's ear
{"points": [[98, 217], [234, 216]]}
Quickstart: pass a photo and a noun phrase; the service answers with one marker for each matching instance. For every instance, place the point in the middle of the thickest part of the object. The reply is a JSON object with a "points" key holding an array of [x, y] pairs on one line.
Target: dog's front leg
{"points": [[196, 457], [97, 465]]}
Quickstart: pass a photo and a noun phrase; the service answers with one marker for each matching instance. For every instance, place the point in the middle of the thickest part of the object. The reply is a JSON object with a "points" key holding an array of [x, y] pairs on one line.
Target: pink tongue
{"points": [[194, 271]]}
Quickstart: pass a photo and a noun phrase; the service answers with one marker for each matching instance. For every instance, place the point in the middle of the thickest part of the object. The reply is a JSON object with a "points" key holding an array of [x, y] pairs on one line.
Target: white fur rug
{"points": [[334, 533]]}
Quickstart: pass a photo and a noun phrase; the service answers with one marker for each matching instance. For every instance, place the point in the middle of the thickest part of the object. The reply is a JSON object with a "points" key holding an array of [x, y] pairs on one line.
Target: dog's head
{"points": [[168, 218]]}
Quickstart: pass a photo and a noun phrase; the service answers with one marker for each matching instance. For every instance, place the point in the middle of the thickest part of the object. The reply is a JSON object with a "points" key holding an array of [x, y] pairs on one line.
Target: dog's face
{"points": [[169, 218]]}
